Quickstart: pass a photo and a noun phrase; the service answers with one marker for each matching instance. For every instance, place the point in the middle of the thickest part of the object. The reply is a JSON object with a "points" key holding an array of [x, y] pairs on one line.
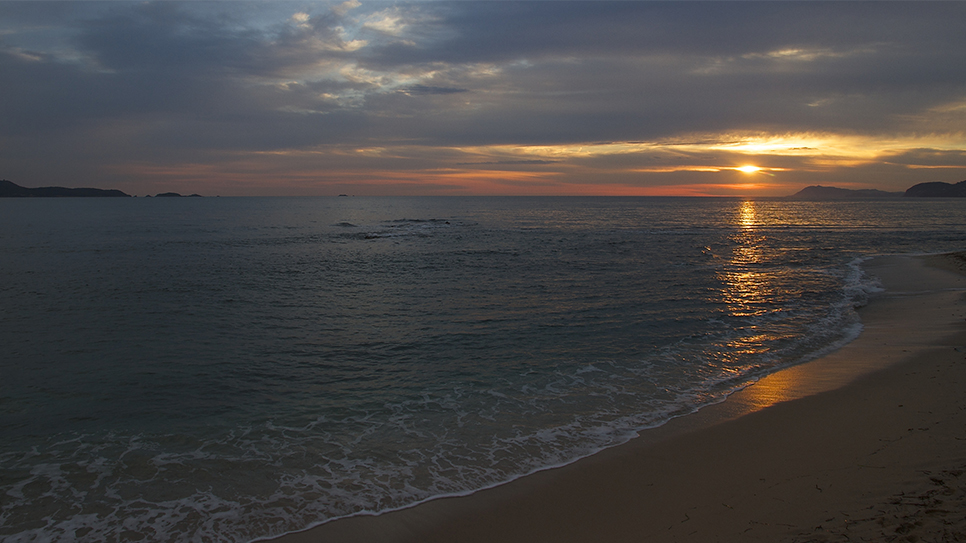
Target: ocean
{"points": [[228, 369]]}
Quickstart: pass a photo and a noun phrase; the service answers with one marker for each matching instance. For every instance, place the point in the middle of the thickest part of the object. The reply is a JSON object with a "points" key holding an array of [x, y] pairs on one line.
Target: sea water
{"points": [[226, 369]]}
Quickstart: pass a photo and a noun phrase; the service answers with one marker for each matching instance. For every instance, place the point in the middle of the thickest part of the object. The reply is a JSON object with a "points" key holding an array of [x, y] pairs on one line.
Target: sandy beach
{"points": [[867, 443]]}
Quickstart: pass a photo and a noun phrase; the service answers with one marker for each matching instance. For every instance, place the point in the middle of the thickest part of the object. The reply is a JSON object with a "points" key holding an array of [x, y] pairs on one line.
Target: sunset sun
{"points": [[749, 169]]}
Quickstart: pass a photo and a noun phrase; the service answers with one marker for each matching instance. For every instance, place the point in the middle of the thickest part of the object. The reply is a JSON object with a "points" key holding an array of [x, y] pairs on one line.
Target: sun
{"points": [[749, 169]]}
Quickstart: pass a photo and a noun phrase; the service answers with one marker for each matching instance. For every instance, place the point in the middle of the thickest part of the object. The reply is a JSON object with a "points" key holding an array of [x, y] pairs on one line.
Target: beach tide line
{"points": [[868, 442]]}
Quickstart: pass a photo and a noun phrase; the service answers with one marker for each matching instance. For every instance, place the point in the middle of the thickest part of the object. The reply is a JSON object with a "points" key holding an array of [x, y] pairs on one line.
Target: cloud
{"points": [[509, 162], [429, 89], [111, 86]]}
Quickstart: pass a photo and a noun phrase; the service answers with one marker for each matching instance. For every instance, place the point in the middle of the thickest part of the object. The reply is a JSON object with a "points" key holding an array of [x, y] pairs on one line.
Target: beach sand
{"points": [[867, 443]]}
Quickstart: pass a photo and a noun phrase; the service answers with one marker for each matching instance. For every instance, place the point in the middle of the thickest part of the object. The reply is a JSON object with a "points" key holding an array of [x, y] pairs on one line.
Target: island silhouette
{"points": [[935, 189], [9, 189]]}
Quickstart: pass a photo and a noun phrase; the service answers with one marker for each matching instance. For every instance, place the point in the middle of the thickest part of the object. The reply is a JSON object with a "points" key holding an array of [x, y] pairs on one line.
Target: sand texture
{"points": [[867, 443]]}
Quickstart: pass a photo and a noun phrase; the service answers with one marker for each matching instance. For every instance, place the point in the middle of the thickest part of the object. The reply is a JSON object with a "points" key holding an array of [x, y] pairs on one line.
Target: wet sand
{"points": [[867, 443]]}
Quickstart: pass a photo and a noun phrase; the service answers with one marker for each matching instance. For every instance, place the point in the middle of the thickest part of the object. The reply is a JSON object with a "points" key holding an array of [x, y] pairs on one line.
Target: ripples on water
{"points": [[225, 369]]}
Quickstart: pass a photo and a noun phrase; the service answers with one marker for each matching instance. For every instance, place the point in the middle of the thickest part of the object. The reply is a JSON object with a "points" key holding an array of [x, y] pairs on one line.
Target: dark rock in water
{"points": [[818, 192], [9, 189], [937, 189]]}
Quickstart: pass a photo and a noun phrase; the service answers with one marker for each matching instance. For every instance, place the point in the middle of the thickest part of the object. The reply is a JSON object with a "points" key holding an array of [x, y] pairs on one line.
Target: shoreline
{"points": [[813, 452]]}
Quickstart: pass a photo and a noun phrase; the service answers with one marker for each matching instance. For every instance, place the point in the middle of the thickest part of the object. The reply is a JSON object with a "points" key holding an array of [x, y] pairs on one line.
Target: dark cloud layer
{"points": [[96, 91]]}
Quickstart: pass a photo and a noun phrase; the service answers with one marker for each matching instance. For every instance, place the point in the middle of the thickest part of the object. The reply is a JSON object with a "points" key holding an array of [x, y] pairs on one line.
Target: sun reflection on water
{"points": [[749, 286], [746, 287]]}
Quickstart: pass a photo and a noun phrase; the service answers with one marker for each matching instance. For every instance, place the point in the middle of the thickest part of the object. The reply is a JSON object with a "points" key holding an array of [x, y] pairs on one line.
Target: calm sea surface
{"points": [[224, 369]]}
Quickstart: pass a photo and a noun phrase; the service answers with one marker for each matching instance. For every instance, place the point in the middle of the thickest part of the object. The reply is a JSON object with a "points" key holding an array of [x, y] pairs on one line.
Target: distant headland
{"points": [[9, 189], [922, 190], [175, 195], [938, 190]]}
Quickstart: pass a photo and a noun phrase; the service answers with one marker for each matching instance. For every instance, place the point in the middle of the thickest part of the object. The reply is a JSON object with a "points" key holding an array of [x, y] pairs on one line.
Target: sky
{"points": [[482, 97]]}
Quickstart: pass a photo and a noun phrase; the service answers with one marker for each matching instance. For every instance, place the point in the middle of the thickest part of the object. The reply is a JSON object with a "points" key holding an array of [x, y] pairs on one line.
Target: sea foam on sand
{"points": [[866, 443]]}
